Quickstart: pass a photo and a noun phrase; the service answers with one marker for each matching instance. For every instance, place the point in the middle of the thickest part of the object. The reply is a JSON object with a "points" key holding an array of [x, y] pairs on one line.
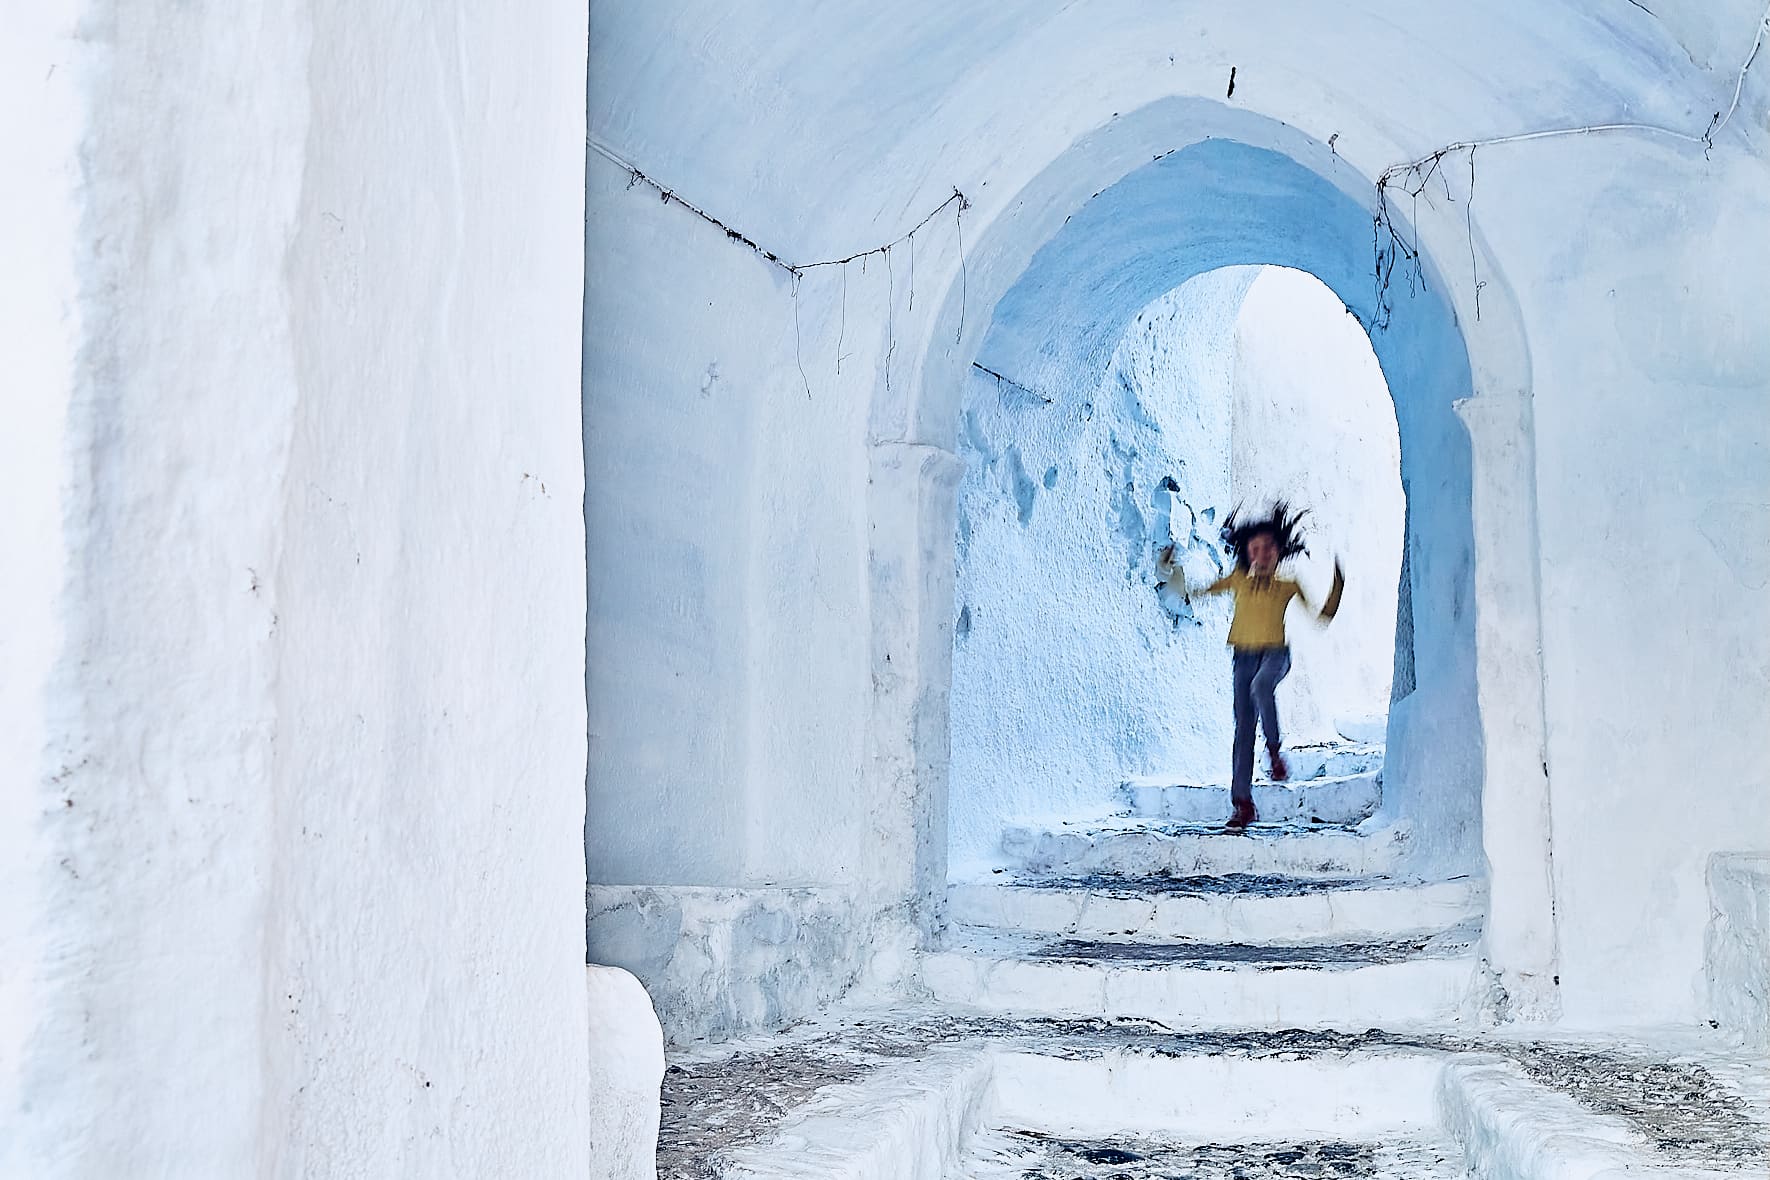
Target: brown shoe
{"points": [[1280, 772], [1243, 815]]}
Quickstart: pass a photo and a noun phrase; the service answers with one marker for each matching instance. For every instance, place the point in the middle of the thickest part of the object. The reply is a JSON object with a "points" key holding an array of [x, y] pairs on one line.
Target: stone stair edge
{"points": [[1118, 884], [1148, 782]]}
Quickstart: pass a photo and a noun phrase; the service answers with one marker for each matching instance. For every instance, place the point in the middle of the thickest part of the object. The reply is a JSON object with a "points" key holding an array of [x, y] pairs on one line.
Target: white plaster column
{"points": [[1738, 946], [913, 489], [626, 1073], [1519, 942]]}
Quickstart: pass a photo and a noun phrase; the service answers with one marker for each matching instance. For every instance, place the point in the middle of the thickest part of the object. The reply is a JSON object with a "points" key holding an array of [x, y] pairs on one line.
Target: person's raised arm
{"points": [[1331, 607]]}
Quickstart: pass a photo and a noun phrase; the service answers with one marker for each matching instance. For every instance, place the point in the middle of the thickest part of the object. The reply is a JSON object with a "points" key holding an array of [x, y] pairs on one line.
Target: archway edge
{"points": [[910, 730]]}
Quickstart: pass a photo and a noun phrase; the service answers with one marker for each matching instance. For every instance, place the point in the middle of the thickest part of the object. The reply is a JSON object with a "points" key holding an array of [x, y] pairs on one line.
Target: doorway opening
{"points": [[1072, 673]]}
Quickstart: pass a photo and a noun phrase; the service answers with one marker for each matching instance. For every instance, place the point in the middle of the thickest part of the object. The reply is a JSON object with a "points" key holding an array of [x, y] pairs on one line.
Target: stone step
{"points": [[1343, 799], [1343, 986], [1133, 846], [1338, 760], [1237, 907]]}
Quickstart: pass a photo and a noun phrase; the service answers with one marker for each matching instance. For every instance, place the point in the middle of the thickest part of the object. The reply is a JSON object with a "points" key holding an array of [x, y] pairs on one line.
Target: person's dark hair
{"points": [[1281, 524]]}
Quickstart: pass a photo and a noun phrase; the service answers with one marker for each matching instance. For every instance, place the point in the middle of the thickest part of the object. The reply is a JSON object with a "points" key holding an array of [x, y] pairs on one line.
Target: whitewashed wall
{"points": [[299, 760], [1653, 462]]}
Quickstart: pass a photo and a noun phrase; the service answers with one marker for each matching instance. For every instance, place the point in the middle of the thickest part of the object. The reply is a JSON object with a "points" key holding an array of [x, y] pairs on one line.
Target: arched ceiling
{"points": [[822, 128]]}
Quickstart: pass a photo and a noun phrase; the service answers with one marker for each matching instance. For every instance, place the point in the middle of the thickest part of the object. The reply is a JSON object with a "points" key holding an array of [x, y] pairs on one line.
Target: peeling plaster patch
{"points": [[719, 962], [1020, 486], [1131, 405], [1128, 518]]}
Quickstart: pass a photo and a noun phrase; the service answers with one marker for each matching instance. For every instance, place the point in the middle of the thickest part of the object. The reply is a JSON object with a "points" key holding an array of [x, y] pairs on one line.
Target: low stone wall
{"points": [[720, 962], [1739, 945]]}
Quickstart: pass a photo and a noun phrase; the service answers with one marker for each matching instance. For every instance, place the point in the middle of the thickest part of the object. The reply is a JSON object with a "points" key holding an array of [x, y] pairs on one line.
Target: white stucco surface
{"points": [[297, 660], [626, 1070], [1631, 710], [40, 331]]}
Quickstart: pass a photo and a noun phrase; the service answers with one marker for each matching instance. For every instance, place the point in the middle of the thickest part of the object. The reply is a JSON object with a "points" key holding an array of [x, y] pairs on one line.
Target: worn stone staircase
{"points": [[1145, 995], [1159, 913], [1328, 785]]}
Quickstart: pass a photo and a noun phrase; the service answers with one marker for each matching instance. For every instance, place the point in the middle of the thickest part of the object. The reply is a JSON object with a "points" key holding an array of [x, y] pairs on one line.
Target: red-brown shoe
{"points": [[1243, 815], [1280, 772]]}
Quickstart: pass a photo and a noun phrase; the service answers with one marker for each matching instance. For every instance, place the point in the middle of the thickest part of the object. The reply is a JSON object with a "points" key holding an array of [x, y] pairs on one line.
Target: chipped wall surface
{"points": [[1738, 946], [1070, 672], [721, 961], [300, 777], [1618, 419]]}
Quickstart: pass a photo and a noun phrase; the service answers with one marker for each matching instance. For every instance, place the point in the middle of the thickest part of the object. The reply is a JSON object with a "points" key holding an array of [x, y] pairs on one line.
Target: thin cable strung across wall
{"points": [[1413, 177], [637, 176], [1391, 248]]}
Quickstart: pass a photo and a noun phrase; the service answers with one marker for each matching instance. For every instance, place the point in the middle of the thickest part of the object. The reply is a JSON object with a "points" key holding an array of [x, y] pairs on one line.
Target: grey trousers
{"points": [[1257, 674]]}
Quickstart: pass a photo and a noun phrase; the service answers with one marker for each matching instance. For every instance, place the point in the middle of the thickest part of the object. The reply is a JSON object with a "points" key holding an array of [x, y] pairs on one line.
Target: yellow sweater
{"points": [[1260, 602]]}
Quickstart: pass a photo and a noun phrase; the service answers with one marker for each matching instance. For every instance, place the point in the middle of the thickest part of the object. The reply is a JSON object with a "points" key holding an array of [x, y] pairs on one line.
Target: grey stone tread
{"points": [[1336, 955]]}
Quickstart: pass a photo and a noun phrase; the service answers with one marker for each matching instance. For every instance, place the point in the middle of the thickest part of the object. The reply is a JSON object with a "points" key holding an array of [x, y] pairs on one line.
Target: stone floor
{"points": [[1040, 1038], [1273, 956], [1203, 885], [1028, 1155], [1692, 1105]]}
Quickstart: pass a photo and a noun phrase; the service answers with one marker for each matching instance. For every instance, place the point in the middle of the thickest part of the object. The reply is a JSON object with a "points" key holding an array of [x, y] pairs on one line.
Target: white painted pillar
{"points": [[1520, 937], [914, 491], [626, 1073], [1738, 946]]}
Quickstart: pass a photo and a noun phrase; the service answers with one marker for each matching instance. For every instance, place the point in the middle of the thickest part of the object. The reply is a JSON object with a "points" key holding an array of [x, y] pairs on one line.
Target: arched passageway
{"points": [[1071, 673], [1111, 225], [1222, 202]]}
